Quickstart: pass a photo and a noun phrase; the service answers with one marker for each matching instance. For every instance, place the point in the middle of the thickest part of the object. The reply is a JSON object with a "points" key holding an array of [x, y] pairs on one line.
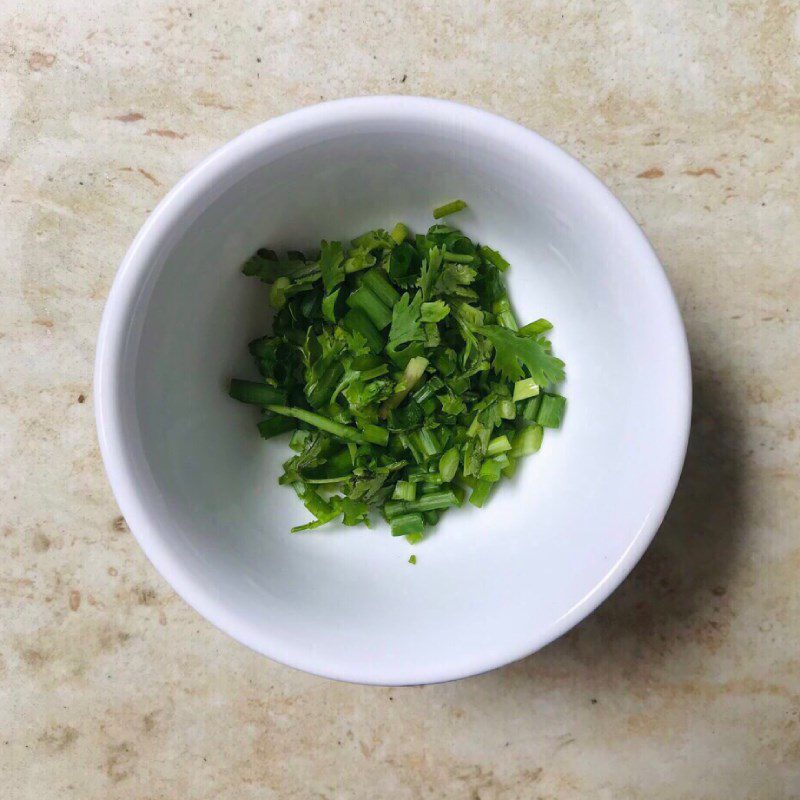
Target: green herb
{"points": [[512, 351], [331, 264], [399, 368]]}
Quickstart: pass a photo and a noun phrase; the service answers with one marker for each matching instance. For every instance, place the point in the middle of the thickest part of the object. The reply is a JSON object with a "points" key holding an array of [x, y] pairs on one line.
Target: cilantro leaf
{"points": [[404, 265], [331, 264], [430, 272], [512, 351], [378, 239], [454, 278], [435, 311], [406, 321], [452, 405]]}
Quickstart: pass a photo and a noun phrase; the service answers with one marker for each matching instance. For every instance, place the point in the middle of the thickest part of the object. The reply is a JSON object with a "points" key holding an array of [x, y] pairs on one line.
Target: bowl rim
{"points": [[134, 270]]}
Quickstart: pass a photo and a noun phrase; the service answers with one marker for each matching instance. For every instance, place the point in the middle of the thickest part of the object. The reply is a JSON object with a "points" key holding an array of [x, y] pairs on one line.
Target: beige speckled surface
{"points": [[686, 684]]}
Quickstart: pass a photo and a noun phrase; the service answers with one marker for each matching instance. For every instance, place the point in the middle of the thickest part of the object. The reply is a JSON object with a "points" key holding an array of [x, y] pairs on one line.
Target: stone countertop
{"points": [[685, 684]]}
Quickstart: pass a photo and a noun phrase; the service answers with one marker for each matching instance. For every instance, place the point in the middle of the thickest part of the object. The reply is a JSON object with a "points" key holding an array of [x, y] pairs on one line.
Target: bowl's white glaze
{"points": [[198, 487]]}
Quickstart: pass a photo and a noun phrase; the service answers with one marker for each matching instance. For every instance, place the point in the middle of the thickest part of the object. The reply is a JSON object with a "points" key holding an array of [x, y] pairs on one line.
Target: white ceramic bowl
{"points": [[198, 487]]}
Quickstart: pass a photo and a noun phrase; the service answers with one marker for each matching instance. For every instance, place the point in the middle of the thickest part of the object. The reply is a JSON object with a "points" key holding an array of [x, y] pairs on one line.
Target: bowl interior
{"points": [[490, 585]]}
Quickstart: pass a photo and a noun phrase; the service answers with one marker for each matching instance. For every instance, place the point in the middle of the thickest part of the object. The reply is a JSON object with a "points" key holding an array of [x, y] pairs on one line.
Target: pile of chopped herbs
{"points": [[400, 370]]}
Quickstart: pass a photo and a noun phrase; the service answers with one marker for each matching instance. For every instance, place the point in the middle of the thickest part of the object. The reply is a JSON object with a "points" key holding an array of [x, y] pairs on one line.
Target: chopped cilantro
{"points": [[401, 373]]}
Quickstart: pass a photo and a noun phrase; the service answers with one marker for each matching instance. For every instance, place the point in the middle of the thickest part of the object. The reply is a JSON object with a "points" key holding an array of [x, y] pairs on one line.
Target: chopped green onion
{"points": [[427, 389], [399, 233], [532, 409], [506, 408], [377, 282], [527, 441], [551, 411], [367, 301], [448, 464], [480, 494], [525, 388], [499, 444], [407, 525], [426, 442], [503, 460], [275, 426], [404, 490], [418, 473], [490, 471], [428, 502], [258, 394]]}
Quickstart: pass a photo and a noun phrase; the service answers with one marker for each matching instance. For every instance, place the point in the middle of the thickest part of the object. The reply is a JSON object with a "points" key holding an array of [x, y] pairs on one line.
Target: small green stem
{"points": [[458, 258], [449, 208], [323, 423]]}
